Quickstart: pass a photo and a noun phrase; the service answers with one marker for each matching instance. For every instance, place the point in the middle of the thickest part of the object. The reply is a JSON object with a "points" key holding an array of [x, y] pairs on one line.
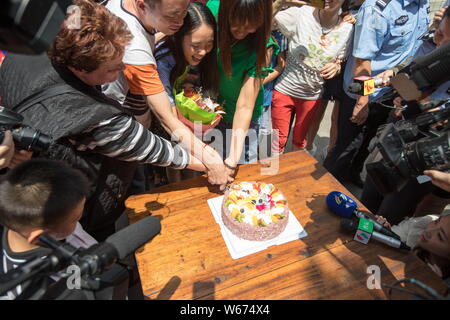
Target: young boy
{"points": [[37, 197]]}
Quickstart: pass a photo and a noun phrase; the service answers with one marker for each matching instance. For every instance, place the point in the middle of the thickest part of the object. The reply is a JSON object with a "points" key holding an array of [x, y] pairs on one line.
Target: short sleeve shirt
{"points": [[243, 64], [309, 51], [139, 61], [387, 33]]}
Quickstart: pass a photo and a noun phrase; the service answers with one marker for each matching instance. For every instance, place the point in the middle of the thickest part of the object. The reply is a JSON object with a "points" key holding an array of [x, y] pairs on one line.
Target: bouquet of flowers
{"points": [[195, 107]]}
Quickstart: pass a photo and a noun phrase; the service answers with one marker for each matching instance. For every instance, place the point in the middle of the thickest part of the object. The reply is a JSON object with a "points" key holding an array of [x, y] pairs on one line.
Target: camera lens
{"points": [[30, 139]]}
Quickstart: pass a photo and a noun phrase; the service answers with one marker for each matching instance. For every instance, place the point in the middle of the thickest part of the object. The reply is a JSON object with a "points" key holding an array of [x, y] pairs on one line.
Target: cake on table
{"points": [[255, 211]]}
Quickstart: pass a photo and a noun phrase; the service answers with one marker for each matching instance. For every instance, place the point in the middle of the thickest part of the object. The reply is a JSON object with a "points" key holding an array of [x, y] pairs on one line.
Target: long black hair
{"points": [[197, 15], [254, 12]]}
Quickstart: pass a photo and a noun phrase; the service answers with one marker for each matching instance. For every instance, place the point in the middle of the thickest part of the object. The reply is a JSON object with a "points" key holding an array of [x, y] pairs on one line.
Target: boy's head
{"points": [[436, 237], [42, 196]]}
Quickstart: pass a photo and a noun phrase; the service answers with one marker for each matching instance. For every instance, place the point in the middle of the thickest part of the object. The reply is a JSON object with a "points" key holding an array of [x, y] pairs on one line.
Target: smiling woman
{"points": [[189, 54]]}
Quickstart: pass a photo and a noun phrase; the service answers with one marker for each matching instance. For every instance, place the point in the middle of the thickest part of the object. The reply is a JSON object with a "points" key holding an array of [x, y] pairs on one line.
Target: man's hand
{"points": [[438, 16], [360, 111], [6, 150], [386, 76], [19, 157], [330, 70], [383, 221], [439, 179]]}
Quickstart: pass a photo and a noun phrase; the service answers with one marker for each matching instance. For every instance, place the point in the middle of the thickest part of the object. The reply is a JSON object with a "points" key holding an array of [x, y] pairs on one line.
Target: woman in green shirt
{"points": [[244, 29]]}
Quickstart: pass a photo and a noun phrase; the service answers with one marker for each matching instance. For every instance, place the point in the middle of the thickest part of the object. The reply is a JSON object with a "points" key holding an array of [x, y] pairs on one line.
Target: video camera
{"points": [[30, 26], [408, 147], [25, 138]]}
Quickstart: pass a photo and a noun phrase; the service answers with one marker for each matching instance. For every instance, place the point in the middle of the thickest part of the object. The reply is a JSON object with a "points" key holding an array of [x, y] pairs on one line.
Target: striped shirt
{"points": [[121, 137]]}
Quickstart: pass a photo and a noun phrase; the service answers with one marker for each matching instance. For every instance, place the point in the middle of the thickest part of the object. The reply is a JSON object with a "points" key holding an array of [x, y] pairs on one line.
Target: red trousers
{"points": [[283, 107]]}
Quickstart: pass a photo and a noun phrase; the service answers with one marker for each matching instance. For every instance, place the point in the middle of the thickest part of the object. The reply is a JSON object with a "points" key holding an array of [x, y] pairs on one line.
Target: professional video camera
{"points": [[98, 274], [29, 26], [25, 138], [408, 147]]}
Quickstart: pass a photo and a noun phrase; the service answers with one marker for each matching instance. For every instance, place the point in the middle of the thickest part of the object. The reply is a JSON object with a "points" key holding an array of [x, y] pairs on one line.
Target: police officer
{"points": [[387, 32]]}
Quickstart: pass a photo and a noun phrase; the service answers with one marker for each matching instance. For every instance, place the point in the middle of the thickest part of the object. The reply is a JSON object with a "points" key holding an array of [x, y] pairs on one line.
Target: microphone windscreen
{"points": [[354, 87], [129, 239], [349, 225], [341, 204]]}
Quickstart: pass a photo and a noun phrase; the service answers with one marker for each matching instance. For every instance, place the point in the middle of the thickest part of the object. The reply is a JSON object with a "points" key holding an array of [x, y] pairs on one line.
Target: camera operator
{"points": [[417, 197], [91, 132]]}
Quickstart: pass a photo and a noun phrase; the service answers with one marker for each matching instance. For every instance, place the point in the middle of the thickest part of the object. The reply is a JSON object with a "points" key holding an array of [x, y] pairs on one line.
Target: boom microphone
{"points": [[117, 246], [350, 226], [346, 207]]}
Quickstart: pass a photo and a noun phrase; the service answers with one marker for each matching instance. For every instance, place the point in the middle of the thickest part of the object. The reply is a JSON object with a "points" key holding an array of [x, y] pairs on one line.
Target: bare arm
{"points": [[280, 4], [213, 162], [361, 109], [281, 63], [242, 117]]}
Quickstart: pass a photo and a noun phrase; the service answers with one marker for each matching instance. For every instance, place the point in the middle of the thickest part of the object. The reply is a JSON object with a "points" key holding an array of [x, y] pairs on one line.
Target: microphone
{"points": [[364, 85], [350, 226], [117, 246], [346, 207]]}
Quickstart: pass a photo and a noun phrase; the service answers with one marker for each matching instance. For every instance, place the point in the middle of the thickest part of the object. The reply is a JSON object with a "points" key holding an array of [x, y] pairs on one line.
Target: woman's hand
{"points": [[6, 150], [330, 70], [349, 18]]}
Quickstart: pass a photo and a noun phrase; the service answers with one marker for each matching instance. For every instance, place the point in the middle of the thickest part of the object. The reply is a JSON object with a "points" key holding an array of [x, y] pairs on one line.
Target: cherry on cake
{"points": [[255, 211]]}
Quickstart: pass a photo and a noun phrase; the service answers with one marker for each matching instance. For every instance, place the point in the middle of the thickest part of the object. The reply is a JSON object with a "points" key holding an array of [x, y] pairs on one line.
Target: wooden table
{"points": [[189, 259]]}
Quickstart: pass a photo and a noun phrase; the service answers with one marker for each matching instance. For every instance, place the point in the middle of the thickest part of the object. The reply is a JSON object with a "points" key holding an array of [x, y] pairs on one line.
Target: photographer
{"points": [[416, 198], [91, 132]]}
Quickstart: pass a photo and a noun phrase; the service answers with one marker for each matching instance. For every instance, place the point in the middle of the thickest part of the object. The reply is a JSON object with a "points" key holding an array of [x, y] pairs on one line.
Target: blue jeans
{"points": [[222, 143], [265, 126]]}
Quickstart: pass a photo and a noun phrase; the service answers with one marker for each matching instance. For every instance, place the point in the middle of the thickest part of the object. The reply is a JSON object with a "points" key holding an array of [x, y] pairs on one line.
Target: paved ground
{"points": [[321, 141]]}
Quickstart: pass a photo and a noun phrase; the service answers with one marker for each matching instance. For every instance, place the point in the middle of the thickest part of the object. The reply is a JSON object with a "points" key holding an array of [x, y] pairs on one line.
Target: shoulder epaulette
{"points": [[382, 4]]}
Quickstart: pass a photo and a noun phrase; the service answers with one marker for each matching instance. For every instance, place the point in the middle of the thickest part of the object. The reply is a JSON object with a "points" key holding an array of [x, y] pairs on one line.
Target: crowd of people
{"points": [[106, 93]]}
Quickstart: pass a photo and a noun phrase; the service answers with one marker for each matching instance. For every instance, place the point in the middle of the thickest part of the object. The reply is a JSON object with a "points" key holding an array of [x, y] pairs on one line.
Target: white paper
{"points": [[239, 248]]}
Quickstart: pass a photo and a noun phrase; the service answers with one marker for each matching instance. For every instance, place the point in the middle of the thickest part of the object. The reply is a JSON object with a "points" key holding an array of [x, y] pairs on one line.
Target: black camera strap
{"points": [[46, 93]]}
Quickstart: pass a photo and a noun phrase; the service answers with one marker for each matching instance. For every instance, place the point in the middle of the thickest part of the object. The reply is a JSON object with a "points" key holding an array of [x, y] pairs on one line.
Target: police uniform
{"points": [[387, 32]]}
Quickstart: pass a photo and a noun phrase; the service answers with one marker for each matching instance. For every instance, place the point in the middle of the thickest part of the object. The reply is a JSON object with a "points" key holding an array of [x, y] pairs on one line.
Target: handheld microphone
{"points": [[346, 207], [117, 246], [364, 85], [350, 226]]}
